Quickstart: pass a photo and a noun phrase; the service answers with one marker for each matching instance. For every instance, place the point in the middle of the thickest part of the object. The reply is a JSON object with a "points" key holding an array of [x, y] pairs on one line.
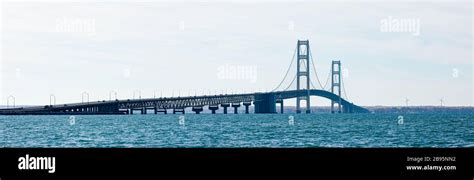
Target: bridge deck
{"points": [[122, 106]]}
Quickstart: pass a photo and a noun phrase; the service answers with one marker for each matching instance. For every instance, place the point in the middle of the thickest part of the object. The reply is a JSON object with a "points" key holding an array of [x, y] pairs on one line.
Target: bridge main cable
{"points": [[314, 69], [344, 88], [287, 71], [294, 78], [327, 80]]}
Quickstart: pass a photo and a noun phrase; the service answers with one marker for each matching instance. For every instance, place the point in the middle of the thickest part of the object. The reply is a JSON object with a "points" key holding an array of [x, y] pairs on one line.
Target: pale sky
{"points": [[180, 46]]}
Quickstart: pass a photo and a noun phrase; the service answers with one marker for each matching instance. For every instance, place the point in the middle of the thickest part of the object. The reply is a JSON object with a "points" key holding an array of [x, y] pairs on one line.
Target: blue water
{"points": [[239, 130]]}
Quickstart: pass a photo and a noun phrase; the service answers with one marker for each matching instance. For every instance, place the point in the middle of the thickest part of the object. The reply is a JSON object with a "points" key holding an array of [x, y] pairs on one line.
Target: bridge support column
{"points": [[347, 108], [178, 110], [247, 104], [225, 106], [213, 108], [281, 107], [303, 57], [143, 110], [336, 84], [149, 108], [235, 106], [197, 109], [161, 110], [280, 101], [265, 103]]}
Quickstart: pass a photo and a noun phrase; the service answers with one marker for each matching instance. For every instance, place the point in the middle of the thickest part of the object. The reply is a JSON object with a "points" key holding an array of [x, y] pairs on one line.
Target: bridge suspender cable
{"points": [[317, 77], [290, 84], [344, 88], [327, 80], [312, 85], [310, 81], [315, 72], [314, 68], [287, 71]]}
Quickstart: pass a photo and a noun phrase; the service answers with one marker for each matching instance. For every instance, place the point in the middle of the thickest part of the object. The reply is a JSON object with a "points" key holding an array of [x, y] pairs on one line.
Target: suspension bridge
{"points": [[263, 102]]}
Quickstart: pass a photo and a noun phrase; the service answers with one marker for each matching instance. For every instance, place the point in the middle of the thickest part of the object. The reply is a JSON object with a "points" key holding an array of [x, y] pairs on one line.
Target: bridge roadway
{"points": [[264, 102]]}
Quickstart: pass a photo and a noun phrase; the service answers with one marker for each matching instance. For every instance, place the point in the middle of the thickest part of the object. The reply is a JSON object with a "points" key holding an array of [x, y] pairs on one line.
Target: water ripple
{"points": [[242, 130]]}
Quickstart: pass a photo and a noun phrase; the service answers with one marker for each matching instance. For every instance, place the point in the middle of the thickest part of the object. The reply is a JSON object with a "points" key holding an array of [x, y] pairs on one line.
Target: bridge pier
{"points": [[197, 109], [144, 110], [165, 111], [134, 109], [338, 111], [157, 110], [225, 106], [235, 106], [98, 109], [308, 110], [280, 101], [265, 103], [181, 110], [348, 108], [213, 108], [149, 108], [247, 104]]}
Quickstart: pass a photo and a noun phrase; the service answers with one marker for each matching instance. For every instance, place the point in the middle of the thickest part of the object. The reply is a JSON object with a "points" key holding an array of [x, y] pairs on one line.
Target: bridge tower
{"points": [[336, 83], [303, 60]]}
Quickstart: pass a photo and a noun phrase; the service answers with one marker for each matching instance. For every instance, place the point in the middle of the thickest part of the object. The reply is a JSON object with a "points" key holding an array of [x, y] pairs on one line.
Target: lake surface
{"points": [[239, 130]]}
